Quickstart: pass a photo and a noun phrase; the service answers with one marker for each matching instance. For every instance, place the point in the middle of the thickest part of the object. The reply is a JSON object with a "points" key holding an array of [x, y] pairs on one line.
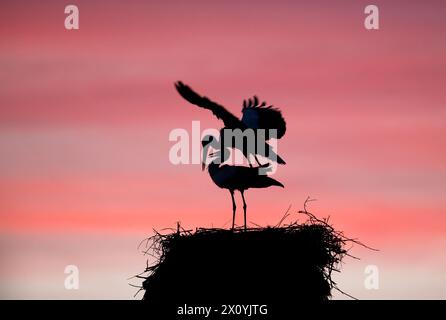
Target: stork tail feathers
{"points": [[275, 182], [280, 160], [265, 182]]}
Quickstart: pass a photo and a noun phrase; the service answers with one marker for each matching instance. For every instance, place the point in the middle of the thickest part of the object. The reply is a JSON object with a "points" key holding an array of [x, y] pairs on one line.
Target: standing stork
{"points": [[233, 178], [255, 116]]}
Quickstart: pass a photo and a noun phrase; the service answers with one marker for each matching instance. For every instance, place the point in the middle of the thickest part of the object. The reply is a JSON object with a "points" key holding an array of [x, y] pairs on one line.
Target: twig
{"points": [[284, 216]]}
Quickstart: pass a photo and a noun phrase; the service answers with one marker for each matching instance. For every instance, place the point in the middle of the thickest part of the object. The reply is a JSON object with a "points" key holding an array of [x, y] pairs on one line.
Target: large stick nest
{"points": [[207, 263]]}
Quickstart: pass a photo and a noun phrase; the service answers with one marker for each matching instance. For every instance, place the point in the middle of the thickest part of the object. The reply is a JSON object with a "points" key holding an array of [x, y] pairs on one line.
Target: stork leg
{"points": [[258, 162], [248, 157], [244, 207], [233, 208]]}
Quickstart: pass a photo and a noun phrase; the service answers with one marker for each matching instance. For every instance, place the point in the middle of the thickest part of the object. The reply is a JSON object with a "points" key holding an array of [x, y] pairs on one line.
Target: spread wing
{"points": [[230, 120], [261, 116]]}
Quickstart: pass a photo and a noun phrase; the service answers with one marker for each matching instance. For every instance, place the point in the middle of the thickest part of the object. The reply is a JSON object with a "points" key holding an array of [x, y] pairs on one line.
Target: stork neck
{"points": [[213, 166]]}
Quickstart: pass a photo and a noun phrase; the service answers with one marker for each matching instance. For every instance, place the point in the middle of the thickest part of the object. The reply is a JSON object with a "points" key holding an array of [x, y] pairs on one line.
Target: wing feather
{"points": [[261, 116], [230, 120]]}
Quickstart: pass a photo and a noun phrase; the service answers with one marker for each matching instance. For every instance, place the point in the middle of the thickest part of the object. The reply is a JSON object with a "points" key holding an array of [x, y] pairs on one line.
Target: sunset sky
{"points": [[85, 117]]}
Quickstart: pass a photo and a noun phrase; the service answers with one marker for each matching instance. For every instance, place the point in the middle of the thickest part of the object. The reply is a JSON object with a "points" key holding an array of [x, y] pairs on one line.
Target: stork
{"points": [[255, 116], [233, 178]]}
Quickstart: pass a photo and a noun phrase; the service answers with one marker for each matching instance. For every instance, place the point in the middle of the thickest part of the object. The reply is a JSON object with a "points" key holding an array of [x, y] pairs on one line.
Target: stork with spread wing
{"points": [[255, 116]]}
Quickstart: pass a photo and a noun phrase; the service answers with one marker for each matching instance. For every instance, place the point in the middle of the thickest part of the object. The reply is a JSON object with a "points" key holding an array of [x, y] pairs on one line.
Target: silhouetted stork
{"points": [[234, 177], [255, 116]]}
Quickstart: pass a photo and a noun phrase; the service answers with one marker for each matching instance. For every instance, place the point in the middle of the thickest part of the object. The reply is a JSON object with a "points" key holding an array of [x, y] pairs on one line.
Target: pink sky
{"points": [[85, 117]]}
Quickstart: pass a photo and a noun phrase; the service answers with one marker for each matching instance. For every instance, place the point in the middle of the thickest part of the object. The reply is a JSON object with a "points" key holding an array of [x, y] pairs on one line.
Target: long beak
{"points": [[204, 157]]}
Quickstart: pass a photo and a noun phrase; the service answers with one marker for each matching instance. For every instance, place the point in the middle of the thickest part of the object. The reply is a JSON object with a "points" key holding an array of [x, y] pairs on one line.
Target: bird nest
{"points": [[287, 261]]}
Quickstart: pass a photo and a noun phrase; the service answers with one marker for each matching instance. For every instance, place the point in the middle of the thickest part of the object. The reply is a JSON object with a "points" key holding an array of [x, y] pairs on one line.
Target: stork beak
{"points": [[216, 154], [204, 156]]}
